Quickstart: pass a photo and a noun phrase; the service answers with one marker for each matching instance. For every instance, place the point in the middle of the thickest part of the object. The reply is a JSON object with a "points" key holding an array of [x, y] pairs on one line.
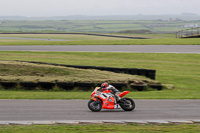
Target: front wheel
{"points": [[94, 105], [127, 104]]}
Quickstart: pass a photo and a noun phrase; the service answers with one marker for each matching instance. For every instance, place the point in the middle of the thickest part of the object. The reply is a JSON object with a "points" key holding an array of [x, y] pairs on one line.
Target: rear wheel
{"points": [[94, 105], [127, 104]]}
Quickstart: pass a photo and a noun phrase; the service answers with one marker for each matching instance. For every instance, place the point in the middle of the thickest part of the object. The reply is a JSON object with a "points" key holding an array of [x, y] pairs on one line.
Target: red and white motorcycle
{"points": [[107, 100]]}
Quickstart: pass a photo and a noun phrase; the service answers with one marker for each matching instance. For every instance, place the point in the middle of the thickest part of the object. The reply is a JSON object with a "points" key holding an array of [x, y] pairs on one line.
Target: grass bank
{"points": [[180, 70], [29, 72], [150, 128]]}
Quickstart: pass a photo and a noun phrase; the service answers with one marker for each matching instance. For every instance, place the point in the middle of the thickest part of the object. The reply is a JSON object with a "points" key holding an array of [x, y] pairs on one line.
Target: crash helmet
{"points": [[104, 85]]}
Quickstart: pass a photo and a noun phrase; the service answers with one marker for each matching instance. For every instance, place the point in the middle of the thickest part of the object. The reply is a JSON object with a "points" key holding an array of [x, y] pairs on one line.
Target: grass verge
{"points": [[129, 128], [74, 94]]}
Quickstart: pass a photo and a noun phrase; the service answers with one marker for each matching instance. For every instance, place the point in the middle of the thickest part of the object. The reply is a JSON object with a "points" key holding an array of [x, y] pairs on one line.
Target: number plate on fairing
{"points": [[105, 95]]}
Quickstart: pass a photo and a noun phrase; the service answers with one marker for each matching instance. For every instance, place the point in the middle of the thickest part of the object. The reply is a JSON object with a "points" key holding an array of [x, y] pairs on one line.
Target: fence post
{"points": [[177, 34]]}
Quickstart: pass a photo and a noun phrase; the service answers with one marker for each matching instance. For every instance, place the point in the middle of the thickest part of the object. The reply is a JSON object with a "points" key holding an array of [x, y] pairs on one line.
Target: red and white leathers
{"points": [[113, 90]]}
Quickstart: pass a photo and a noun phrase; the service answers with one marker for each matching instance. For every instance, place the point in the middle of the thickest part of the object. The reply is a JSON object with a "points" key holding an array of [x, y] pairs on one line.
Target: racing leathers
{"points": [[113, 90]]}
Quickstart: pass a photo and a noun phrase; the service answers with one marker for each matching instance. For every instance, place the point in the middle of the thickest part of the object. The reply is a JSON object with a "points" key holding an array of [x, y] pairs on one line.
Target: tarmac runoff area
{"points": [[30, 112]]}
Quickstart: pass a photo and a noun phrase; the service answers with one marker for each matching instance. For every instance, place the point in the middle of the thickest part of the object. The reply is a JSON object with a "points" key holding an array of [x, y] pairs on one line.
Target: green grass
{"points": [[130, 128], [180, 70], [44, 95], [156, 39], [170, 41]]}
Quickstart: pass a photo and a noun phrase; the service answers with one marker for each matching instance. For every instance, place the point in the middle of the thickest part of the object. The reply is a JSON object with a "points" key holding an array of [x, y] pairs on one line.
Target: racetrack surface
{"points": [[109, 48], [55, 110]]}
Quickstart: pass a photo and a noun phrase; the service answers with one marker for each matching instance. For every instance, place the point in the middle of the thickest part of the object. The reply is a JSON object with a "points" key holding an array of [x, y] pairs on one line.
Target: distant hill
{"points": [[183, 16]]}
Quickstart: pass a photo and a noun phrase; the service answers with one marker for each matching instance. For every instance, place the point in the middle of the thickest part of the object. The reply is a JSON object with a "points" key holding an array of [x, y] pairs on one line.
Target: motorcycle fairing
{"points": [[122, 94]]}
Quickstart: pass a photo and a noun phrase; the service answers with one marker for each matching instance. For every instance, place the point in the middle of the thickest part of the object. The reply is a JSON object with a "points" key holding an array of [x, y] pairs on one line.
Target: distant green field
{"points": [[100, 26], [74, 39]]}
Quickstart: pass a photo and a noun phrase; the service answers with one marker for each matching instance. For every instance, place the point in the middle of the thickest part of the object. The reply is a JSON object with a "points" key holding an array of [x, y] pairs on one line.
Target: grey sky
{"points": [[34, 8]]}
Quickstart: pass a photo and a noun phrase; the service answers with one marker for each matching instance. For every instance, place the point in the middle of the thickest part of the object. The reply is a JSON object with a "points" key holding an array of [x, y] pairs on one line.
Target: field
{"points": [[159, 32], [100, 26], [77, 39], [180, 70]]}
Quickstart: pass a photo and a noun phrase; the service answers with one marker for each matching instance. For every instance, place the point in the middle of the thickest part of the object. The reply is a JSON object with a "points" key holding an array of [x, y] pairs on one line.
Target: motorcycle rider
{"points": [[105, 86]]}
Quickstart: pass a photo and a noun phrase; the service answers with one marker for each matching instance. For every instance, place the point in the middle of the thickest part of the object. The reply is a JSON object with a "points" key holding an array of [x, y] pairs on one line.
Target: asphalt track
{"points": [[65, 110], [109, 48]]}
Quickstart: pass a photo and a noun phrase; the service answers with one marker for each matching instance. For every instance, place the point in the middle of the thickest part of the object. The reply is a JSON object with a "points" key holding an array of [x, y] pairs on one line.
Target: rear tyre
{"points": [[127, 104], [94, 105]]}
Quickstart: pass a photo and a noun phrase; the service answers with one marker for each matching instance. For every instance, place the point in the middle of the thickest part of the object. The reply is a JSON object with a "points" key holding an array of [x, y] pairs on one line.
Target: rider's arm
{"points": [[110, 87], [113, 89], [97, 90]]}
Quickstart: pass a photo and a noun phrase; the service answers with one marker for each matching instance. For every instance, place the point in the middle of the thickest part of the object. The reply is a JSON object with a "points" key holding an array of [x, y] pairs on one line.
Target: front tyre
{"points": [[127, 104], [94, 105]]}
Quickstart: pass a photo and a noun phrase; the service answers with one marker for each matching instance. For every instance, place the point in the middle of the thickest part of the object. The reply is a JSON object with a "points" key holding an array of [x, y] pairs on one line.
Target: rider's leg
{"points": [[117, 96]]}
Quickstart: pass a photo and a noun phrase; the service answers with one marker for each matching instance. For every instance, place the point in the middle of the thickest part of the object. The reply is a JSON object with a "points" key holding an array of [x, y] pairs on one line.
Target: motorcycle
{"points": [[107, 100]]}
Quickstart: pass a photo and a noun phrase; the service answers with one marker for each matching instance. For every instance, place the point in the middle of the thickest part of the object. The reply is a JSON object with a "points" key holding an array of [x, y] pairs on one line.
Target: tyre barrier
{"points": [[46, 85], [120, 86], [85, 86], [142, 72], [149, 73], [158, 87], [151, 76], [117, 70], [8, 85], [134, 71], [138, 87], [66, 85], [29, 85]]}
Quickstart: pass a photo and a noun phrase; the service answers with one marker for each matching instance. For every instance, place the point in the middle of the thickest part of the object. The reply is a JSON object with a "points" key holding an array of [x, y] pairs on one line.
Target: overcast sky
{"points": [[39, 8]]}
